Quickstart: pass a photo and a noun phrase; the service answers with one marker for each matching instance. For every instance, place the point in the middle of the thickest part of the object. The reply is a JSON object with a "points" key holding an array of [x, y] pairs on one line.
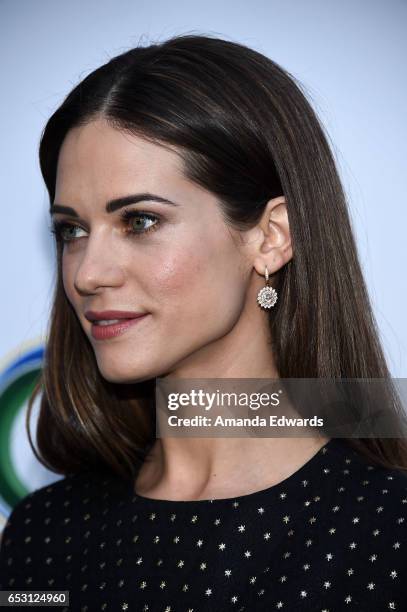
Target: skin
{"points": [[197, 278]]}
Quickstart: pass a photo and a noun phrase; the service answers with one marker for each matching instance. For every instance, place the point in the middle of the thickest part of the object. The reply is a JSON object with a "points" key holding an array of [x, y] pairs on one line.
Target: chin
{"points": [[125, 374]]}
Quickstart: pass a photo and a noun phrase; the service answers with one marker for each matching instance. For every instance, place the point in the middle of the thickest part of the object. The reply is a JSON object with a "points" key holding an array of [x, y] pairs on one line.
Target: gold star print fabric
{"points": [[329, 538]]}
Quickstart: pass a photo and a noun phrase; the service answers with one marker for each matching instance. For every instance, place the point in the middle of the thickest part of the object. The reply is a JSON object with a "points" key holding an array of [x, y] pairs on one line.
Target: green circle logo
{"points": [[17, 381]]}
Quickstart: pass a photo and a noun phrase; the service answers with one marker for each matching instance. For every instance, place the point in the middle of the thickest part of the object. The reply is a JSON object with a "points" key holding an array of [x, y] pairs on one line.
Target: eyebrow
{"points": [[115, 204]]}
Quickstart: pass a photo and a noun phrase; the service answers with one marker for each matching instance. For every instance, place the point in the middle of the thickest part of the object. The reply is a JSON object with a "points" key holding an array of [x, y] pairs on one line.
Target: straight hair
{"points": [[245, 131]]}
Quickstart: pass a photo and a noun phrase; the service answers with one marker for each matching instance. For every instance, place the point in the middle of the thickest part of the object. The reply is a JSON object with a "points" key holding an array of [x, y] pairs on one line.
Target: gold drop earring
{"points": [[267, 296]]}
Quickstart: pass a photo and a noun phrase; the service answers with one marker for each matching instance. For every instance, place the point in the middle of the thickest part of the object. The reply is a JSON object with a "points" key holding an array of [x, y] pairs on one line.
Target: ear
{"points": [[272, 239]]}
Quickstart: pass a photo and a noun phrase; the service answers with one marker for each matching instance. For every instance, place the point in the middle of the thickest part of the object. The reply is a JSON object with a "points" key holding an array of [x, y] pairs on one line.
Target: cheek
{"points": [[203, 279], [68, 280], [178, 272]]}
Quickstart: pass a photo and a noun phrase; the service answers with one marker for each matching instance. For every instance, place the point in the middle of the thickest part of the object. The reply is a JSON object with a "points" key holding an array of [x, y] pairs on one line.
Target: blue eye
{"points": [[65, 232], [130, 215], [60, 229]]}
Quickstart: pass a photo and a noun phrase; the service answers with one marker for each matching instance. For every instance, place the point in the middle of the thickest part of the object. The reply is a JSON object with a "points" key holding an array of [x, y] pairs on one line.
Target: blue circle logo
{"points": [[17, 381]]}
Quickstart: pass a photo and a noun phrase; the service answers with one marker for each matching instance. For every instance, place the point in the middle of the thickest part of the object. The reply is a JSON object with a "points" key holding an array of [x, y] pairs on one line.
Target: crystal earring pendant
{"points": [[267, 296]]}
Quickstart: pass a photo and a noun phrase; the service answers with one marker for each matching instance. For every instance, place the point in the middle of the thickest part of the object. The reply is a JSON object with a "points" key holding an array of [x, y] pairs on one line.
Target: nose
{"points": [[99, 266]]}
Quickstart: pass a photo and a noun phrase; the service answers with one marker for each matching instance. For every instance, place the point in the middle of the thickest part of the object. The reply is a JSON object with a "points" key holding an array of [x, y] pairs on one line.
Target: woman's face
{"points": [[180, 264]]}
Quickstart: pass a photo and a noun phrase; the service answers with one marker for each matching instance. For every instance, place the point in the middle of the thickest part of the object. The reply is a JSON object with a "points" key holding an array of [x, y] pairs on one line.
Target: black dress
{"points": [[331, 537]]}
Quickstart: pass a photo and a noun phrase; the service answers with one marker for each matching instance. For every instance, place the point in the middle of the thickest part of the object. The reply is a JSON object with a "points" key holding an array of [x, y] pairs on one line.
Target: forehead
{"points": [[98, 157]]}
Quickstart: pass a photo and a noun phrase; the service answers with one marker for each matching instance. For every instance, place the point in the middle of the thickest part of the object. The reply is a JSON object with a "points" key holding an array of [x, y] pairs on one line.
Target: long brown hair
{"points": [[246, 132]]}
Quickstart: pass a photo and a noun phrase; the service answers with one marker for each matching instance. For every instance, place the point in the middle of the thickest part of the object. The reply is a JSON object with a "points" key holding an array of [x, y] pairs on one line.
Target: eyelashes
{"points": [[128, 216], [58, 229], [61, 228]]}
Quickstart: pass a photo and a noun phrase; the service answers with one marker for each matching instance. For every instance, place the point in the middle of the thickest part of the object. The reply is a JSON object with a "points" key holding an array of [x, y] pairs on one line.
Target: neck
{"points": [[204, 468]]}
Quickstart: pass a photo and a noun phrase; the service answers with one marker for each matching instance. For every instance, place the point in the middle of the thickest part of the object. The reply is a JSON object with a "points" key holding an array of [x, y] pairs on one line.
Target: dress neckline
{"points": [[308, 469]]}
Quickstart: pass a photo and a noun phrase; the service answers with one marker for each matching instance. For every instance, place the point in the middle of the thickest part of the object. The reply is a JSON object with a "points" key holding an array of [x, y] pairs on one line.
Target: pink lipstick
{"points": [[110, 323]]}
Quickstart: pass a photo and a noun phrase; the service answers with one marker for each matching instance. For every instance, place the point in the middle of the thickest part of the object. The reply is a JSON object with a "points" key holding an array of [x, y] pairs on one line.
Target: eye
{"points": [[62, 229], [137, 223], [134, 227]]}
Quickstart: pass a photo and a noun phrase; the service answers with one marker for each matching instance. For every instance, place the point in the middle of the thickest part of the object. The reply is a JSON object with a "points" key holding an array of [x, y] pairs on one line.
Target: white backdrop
{"points": [[349, 55]]}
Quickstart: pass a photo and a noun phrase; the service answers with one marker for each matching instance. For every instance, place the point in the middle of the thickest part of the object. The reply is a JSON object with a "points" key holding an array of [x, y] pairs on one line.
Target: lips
{"points": [[108, 315], [111, 330], [124, 320]]}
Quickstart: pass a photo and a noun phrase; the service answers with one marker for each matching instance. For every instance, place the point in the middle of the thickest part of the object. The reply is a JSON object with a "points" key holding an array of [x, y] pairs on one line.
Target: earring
{"points": [[267, 296]]}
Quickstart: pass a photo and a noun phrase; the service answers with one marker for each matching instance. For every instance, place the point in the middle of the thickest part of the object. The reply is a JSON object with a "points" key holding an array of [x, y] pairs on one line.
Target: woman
{"points": [[180, 175]]}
